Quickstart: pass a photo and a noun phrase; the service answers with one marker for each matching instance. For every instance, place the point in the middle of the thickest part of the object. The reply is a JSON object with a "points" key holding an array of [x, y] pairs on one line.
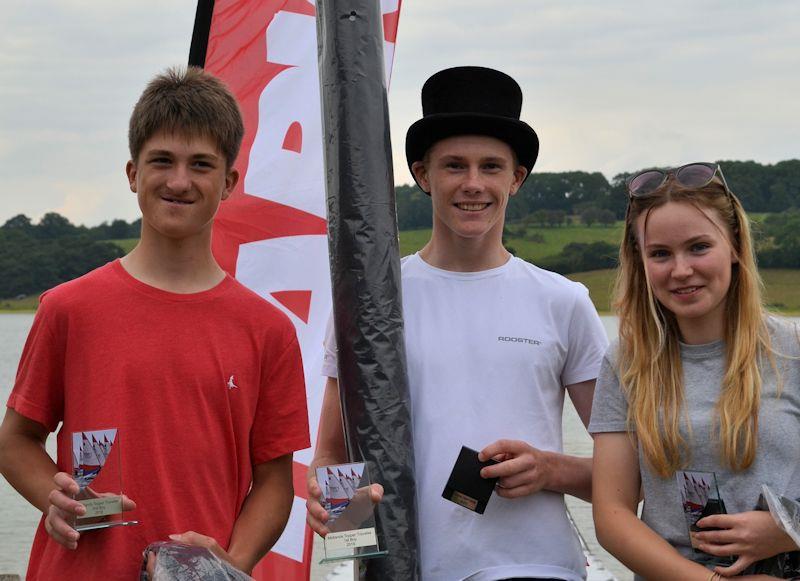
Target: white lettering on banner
{"points": [[294, 176], [295, 263], [274, 173], [388, 57], [387, 7]]}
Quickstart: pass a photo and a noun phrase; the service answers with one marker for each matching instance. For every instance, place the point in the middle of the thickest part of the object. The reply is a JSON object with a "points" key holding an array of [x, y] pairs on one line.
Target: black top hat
{"points": [[472, 101]]}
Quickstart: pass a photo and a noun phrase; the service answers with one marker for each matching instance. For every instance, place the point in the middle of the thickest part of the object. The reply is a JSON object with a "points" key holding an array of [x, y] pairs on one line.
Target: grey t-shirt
{"points": [[778, 454]]}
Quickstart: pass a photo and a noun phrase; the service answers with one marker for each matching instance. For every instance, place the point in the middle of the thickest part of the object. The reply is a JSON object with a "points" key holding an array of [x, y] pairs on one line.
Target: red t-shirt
{"points": [[199, 386]]}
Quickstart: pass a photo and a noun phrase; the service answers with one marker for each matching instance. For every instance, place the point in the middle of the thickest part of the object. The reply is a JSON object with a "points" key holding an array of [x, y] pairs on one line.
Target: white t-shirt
{"points": [[489, 354]]}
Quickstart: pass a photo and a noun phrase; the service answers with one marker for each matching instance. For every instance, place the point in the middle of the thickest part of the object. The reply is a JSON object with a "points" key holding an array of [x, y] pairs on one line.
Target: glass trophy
{"points": [[97, 468], [346, 497], [700, 498]]}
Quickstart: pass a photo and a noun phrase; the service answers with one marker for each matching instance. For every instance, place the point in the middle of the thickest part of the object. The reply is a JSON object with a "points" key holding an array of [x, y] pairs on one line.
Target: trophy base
{"points": [[364, 555], [105, 525]]}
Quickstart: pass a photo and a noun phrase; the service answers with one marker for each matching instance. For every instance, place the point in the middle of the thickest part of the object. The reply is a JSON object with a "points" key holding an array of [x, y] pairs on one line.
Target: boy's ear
{"points": [[519, 177], [130, 171], [421, 173], [231, 179]]}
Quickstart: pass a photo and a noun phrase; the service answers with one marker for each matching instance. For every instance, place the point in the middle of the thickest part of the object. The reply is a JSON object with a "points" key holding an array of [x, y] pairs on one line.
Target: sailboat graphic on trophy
{"points": [[351, 517], [97, 469], [700, 497]]}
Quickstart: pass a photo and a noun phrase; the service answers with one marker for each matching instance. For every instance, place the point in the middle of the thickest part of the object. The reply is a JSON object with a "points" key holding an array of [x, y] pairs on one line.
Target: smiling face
{"points": [[470, 179], [179, 182], [688, 257]]}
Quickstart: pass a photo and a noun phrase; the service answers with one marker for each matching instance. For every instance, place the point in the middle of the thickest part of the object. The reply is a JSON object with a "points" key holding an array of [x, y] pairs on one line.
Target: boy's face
{"points": [[179, 182], [470, 179]]}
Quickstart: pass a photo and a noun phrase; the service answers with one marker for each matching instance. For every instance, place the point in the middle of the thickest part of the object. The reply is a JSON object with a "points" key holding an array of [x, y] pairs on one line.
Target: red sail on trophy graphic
{"points": [[695, 490], [90, 450], [97, 469], [339, 485], [700, 497], [335, 493], [348, 485], [351, 518]]}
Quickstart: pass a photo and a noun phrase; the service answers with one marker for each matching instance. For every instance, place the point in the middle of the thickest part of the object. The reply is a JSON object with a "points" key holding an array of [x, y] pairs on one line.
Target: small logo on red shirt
{"points": [[231, 384]]}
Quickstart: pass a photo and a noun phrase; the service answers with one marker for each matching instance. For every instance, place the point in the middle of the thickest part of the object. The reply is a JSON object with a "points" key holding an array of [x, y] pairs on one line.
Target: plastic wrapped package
{"points": [[786, 512], [365, 272], [179, 562]]}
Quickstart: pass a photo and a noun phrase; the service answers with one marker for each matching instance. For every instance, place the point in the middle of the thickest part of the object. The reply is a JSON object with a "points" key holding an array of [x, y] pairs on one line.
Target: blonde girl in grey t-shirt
{"points": [[701, 379]]}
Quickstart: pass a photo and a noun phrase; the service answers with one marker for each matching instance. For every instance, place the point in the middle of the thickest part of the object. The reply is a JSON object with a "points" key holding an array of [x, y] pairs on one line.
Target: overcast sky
{"points": [[609, 86]]}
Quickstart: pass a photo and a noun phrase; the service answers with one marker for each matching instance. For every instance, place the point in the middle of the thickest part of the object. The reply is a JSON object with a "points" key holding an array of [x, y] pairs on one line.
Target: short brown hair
{"points": [[191, 102]]}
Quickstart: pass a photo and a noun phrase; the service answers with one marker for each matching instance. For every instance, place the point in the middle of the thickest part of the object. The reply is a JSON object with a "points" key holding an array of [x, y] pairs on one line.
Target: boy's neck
{"points": [[464, 254], [178, 266]]}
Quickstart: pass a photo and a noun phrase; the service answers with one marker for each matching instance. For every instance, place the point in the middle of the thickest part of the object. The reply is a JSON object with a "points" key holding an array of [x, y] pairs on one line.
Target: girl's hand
{"points": [[751, 536]]}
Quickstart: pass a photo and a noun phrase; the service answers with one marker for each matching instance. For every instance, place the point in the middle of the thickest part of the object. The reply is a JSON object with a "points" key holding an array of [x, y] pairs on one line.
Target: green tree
{"points": [[780, 240], [606, 217], [590, 215], [33, 259], [555, 217], [20, 222], [53, 225], [414, 209], [580, 257], [118, 229]]}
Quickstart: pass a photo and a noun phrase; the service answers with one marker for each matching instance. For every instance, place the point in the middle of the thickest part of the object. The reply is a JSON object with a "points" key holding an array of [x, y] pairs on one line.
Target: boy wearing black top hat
{"points": [[492, 343]]}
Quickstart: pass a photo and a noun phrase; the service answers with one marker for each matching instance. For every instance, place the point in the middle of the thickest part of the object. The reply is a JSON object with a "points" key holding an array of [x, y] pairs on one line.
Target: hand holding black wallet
{"points": [[465, 486]]}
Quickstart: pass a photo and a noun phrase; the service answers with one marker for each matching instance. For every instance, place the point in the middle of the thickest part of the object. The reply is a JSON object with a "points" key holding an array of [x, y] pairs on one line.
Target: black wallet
{"points": [[465, 486]]}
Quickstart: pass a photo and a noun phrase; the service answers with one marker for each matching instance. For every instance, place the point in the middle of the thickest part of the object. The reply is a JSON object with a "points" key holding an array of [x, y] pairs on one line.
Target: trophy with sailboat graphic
{"points": [[700, 497], [351, 515], [97, 468]]}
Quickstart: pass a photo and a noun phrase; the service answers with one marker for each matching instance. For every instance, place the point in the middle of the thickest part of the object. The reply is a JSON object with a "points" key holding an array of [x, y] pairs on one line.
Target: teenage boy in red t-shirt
{"points": [[201, 377]]}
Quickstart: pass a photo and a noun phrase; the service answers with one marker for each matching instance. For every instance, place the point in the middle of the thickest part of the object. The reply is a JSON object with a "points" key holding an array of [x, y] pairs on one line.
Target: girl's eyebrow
{"points": [[689, 241]]}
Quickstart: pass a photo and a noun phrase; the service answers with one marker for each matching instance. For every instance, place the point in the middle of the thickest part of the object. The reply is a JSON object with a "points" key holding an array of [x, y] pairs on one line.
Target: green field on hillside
{"points": [[599, 283], [554, 239], [781, 285], [29, 303], [126, 244], [21, 305]]}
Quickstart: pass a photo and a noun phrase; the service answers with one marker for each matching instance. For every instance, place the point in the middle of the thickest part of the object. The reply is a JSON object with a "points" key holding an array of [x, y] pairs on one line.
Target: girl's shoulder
{"points": [[785, 335], [612, 351]]}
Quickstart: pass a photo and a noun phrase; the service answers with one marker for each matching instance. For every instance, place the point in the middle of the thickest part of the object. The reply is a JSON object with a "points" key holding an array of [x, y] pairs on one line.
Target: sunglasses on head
{"points": [[691, 175]]}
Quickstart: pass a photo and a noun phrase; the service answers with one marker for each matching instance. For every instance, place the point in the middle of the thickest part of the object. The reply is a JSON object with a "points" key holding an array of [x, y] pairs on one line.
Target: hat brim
{"points": [[517, 134]]}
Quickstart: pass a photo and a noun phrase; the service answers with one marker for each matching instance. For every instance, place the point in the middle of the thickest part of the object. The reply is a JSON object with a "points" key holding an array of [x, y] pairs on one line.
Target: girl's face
{"points": [[688, 257]]}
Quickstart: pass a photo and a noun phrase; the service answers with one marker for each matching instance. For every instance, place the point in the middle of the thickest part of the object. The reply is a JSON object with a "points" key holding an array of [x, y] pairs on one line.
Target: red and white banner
{"points": [[271, 232]]}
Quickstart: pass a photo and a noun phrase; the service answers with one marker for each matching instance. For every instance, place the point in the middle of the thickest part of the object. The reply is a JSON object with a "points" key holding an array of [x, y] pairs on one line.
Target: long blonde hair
{"points": [[649, 355]]}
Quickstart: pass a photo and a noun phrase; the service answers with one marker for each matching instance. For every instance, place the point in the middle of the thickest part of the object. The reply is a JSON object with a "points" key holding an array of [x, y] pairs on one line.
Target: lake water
{"points": [[19, 518]]}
